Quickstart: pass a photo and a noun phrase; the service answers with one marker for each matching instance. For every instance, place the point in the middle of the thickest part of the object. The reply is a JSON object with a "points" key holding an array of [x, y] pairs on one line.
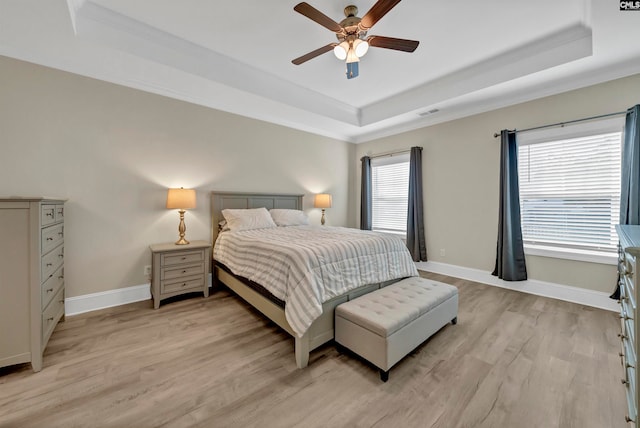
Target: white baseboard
{"points": [[597, 299], [107, 299]]}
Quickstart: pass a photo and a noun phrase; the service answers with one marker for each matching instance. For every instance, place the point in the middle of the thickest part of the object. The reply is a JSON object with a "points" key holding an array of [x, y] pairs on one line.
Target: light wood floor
{"points": [[513, 360]]}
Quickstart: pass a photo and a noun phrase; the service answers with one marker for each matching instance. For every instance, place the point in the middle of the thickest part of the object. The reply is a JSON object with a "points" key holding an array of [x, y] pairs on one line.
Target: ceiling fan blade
{"points": [[377, 11], [313, 54], [315, 15], [393, 43]]}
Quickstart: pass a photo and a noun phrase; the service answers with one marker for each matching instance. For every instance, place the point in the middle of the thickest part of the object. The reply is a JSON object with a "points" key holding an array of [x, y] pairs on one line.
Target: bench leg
{"points": [[454, 321], [384, 375]]}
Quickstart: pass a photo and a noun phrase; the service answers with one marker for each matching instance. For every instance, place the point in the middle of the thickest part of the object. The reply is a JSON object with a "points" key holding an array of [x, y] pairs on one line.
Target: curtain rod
{"points": [[497, 134], [399, 152]]}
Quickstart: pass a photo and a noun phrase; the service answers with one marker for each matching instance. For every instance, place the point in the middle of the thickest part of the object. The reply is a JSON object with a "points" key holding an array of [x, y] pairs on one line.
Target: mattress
{"points": [[305, 266]]}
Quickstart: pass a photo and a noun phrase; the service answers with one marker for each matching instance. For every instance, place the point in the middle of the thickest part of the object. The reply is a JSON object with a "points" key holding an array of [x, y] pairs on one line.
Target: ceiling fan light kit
{"points": [[351, 32]]}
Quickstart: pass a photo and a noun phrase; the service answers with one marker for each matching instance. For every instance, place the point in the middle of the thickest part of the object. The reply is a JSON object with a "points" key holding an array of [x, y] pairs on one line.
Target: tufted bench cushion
{"points": [[387, 324]]}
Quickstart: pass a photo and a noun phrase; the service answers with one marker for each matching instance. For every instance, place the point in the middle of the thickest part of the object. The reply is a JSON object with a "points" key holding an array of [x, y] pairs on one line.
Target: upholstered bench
{"points": [[387, 324]]}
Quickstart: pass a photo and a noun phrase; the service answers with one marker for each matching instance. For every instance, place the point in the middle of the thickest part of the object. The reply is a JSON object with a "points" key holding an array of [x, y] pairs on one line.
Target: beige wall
{"points": [[461, 172], [113, 152]]}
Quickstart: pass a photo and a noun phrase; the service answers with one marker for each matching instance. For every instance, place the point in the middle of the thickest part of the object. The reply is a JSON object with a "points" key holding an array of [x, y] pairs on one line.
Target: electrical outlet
{"points": [[443, 253], [147, 270]]}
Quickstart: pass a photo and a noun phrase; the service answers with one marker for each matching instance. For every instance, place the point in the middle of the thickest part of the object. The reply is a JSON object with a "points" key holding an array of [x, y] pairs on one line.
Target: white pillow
{"points": [[247, 219], [289, 217]]}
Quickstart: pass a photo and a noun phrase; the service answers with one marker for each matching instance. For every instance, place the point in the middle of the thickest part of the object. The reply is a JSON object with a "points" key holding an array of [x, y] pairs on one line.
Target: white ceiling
{"points": [[236, 56]]}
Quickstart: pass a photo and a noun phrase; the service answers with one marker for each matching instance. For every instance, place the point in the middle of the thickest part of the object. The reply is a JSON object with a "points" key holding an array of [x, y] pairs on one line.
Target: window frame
{"points": [[584, 129], [389, 160]]}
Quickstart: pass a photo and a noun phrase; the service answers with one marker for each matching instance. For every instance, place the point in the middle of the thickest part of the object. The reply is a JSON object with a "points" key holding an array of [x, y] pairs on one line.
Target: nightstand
{"points": [[179, 269]]}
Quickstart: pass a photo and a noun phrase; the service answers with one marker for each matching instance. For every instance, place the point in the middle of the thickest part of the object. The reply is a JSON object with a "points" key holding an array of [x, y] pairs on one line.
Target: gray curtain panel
{"points": [[510, 262], [630, 185], [630, 176], [415, 217], [365, 194]]}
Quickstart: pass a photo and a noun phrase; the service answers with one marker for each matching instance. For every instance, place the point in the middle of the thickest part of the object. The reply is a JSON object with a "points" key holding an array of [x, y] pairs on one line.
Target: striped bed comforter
{"points": [[305, 266]]}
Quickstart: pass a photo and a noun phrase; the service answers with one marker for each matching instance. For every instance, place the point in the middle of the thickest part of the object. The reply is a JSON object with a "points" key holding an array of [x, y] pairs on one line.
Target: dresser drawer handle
{"points": [[49, 319], [624, 381], [49, 239], [60, 233], [184, 271], [620, 354], [49, 290], [49, 264], [49, 214], [184, 284], [628, 419], [625, 317], [184, 258], [61, 277], [629, 366], [61, 301], [61, 255], [622, 336], [51, 276]]}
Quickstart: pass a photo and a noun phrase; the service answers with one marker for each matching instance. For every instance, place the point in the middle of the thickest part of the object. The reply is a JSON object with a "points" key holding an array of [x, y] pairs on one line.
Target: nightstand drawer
{"points": [[176, 258], [52, 236], [195, 282], [51, 286], [183, 271], [51, 262]]}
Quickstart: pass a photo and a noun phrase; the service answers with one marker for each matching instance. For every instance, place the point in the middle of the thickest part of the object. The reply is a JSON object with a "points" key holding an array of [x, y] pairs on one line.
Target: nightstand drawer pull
{"points": [[49, 239], [49, 319]]}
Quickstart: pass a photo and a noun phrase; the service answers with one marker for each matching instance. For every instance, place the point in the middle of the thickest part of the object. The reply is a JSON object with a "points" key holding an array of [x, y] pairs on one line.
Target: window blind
{"points": [[390, 193], [570, 192]]}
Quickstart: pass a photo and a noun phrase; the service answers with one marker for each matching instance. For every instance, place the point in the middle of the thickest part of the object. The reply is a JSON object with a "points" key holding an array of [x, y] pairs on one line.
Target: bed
{"points": [[279, 304]]}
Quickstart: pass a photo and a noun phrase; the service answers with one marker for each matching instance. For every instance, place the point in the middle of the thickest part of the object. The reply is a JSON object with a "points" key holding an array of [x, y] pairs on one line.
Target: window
{"points": [[570, 191], [390, 193]]}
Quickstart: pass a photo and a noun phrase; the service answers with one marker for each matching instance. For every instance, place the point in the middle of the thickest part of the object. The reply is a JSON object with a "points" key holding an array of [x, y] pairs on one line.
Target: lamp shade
{"points": [[181, 198], [322, 200]]}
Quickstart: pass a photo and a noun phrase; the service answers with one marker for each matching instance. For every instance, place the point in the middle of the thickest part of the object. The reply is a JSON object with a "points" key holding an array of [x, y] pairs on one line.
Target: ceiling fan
{"points": [[351, 32]]}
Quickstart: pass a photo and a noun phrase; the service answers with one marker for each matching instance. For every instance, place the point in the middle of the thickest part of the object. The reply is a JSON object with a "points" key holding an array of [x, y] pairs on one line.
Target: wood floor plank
{"points": [[513, 360]]}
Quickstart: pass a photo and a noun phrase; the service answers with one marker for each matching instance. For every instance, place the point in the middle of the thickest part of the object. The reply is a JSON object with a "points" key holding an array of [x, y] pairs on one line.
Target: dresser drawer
{"points": [[194, 282], [47, 214], [183, 271], [59, 213], [52, 236], [51, 286], [52, 314], [176, 258], [51, 262]]}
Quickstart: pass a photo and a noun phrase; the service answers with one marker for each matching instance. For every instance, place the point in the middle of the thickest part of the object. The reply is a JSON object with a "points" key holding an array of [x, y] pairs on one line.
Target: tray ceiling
{"points": [[236, 56]]}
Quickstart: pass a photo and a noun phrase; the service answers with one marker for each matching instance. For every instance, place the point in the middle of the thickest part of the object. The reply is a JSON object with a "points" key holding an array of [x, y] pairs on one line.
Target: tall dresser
{"points": [[628, 266], [31, 277]]}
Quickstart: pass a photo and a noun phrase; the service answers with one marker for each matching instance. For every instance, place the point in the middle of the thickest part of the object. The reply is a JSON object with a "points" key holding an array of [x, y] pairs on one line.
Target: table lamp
{"points": [[181, 199], [322, 200]]}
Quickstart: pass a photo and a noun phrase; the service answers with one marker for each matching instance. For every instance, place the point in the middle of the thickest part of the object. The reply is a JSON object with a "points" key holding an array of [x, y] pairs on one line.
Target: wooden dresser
{"points": [[628, 267], [179, 269], [31, 277]]}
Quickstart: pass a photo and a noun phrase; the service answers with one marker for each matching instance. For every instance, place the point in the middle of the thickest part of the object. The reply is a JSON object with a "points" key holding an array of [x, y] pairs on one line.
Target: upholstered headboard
{"points": [[224, 200]]}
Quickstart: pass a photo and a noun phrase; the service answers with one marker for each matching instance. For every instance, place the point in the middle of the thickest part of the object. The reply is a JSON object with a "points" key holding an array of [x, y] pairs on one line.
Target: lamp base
{"points": [[182, 228], [322, 218]]}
